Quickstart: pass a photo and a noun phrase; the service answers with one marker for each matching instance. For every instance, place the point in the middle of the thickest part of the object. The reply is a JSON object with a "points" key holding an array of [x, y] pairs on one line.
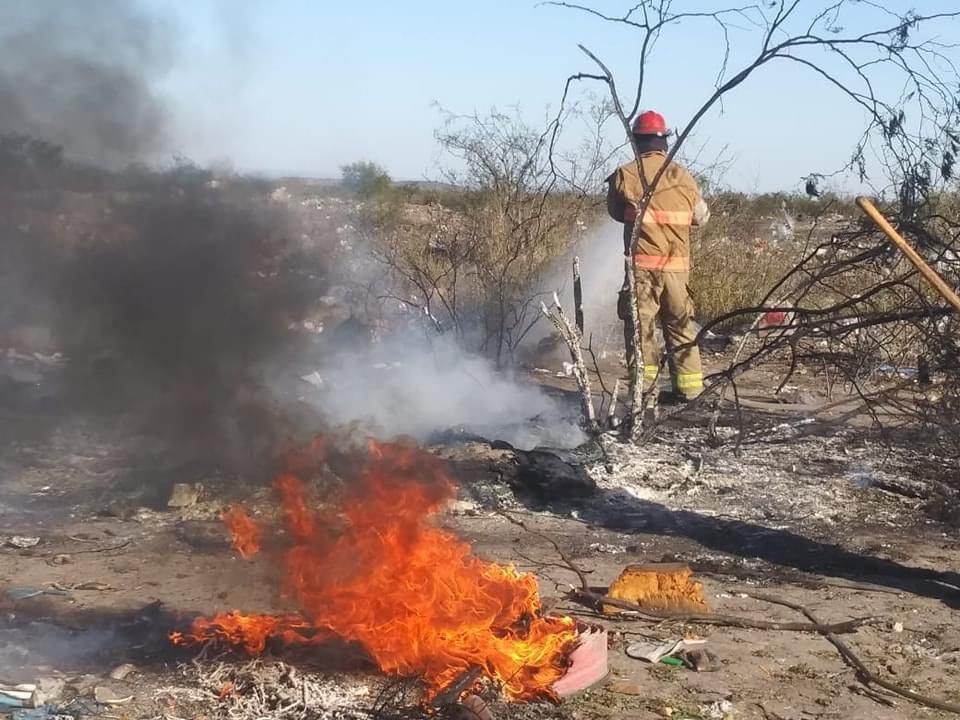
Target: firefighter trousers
{"points": [[663, 297]]}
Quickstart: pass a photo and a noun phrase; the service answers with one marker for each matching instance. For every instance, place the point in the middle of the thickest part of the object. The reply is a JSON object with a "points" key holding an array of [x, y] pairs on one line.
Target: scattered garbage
{"points": [[47, 690], [861, 476], [45, 712], [22, 542], [106, 696], [35, 695], [904, 372], [549, 478], [17, 696], [608, 548], [464, 507], [718, 710], [701, 660], [672, 652], [25, 593], [313, 378], [588, 662], [78, 707], [184, 495], [122, 671], [776, 321], [99, 586]]}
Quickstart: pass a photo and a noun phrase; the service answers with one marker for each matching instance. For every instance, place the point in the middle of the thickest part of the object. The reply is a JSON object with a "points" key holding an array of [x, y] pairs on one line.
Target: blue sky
{"points": [[306, 86]]}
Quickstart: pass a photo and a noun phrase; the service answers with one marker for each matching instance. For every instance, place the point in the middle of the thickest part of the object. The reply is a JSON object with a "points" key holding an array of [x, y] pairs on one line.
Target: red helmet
{"points": [[650, 123]]}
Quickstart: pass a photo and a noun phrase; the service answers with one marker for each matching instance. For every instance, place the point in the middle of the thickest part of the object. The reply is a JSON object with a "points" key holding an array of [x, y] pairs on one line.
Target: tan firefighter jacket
{"points": [[664, 242]]}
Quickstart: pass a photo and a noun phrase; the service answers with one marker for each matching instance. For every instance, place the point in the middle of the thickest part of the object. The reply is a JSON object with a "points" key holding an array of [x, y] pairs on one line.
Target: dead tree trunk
{"points": [[577, 295], [573, 339]]}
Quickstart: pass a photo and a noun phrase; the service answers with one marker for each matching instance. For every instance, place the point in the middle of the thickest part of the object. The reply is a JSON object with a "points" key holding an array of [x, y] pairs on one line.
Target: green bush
{"points": [[367, 180]]}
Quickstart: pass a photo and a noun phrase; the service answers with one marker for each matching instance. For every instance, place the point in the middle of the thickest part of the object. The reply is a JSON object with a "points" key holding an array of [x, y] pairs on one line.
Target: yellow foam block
{"points": [[658, 586]]}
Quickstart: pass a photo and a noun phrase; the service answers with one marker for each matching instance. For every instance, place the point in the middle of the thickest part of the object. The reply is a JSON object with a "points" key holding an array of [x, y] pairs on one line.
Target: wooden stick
{"points": [[864, 674], [866, 204], [598, 599]]}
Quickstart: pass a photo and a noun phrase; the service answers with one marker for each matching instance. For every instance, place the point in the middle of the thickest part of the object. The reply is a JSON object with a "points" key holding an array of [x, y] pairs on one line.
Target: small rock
{"points": [[121, 671], [184, 495], [898, 627]]}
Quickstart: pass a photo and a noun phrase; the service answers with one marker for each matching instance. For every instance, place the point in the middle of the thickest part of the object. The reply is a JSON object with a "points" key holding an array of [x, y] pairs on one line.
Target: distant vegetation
{"points": [[366, 180]]}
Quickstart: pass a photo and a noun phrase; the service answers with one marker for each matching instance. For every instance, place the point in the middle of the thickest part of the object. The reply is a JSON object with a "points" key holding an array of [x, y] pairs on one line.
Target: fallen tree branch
{"points": [[864, 674], [572, 566], [847, 626], [585, 595], [800, 579]]}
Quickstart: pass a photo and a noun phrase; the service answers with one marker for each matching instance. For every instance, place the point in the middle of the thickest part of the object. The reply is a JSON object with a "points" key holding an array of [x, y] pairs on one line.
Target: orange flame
{"points": [[247, 534], [410, 593], [251, 632]]}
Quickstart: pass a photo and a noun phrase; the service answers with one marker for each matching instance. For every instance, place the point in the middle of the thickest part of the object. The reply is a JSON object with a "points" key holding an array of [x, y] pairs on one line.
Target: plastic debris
{"points": [[662, 586], [17, 696], [25, 593], [653, 652], [313, 378], [45, 712], [719, 710], [22, 542], [608, 548]]}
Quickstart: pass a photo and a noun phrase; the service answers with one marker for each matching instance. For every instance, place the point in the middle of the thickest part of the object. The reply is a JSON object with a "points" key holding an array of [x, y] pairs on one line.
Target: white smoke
{"points": [[417, 386], [601, 269]]}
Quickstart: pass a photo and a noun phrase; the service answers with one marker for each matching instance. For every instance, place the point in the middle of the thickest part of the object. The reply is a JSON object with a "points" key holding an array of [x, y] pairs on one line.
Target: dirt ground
{"points": [[817, 509]]}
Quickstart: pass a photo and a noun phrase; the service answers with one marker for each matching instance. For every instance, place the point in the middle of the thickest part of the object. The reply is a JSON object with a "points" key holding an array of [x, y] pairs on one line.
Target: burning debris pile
{"points": [[378, 572]]}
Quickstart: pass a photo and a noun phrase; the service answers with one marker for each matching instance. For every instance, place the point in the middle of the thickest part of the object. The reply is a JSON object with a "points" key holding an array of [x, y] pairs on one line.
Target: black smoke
{"points": [[83, 75], [171, 292]]}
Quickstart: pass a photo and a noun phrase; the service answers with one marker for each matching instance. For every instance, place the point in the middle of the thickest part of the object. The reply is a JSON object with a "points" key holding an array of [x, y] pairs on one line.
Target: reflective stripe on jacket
{"points": [[676, 205]]}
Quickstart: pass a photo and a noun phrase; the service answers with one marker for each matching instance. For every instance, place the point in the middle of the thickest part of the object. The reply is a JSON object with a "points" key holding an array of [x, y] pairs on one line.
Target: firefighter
{"points": [[662, 255]]}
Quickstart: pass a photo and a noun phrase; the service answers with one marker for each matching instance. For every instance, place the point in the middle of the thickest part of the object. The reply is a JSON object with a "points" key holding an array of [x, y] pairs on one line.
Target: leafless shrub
{"points": [[479, 272]]}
